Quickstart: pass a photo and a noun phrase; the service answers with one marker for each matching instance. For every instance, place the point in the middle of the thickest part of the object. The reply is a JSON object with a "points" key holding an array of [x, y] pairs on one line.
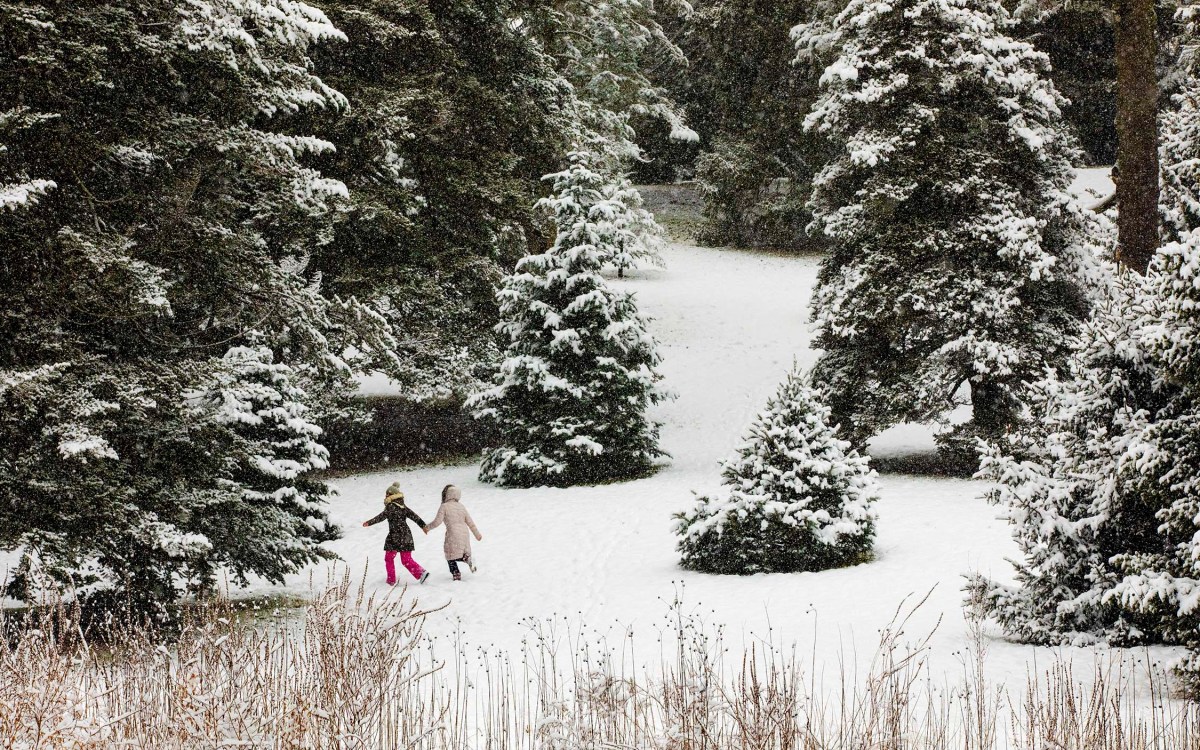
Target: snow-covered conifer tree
{"points": [[956, 255], [1180, 159], [796, 497], [455, 116], [604, 51], [266, 507], [1162, 463], [570, 399], [1055, 476], [183, 217], [1103, 484], [630, 235]]}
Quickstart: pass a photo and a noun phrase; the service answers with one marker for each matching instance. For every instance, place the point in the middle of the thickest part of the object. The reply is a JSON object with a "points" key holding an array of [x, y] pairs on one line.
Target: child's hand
{"points": [[425, 529], [366, 524], [479, 538]]}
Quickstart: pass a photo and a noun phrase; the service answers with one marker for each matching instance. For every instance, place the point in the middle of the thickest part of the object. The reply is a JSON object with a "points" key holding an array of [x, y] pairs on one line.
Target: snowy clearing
{"points": [[729, 323]]}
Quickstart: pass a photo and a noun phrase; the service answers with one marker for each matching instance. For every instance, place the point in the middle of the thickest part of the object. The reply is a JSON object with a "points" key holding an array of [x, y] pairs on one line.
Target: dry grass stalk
{"points": [[360, 672]]}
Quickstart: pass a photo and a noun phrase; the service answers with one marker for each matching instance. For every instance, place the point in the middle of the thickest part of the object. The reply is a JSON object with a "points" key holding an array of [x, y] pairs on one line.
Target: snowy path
{"points": [[729, 324]]}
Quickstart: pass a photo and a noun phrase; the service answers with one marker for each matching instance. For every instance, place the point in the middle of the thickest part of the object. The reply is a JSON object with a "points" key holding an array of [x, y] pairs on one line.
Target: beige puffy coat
{"points": [[459, 526]]}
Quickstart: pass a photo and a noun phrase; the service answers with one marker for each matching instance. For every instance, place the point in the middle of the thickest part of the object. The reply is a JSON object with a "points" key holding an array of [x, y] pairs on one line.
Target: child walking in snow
{"points": [[458, 523], [399, 538]]}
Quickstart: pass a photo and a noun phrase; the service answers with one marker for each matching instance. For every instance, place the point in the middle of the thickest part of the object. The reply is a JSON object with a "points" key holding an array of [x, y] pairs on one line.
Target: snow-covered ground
{"points": [[729, 323], [1092, 185]]}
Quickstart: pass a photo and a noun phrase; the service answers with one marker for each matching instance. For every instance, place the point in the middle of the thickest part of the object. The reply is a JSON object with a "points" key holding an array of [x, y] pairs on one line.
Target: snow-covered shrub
{"points": [[1103, 484], [570, 398], [795, 497], [956, 255]]}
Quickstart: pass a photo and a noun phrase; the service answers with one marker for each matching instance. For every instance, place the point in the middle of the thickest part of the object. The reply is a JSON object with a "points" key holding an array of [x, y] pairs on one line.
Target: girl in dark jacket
{"points": [[399, 538]]}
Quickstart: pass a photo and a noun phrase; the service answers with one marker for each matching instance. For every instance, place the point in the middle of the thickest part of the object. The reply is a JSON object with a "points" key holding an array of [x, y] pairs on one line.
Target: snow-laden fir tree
{"points": [[178, 217], [1180, 156], [1162, 465], [266, 507], [1056, 477], [956, 256], [1103, 484], [632, 237], [569, 402], [795, 498]]}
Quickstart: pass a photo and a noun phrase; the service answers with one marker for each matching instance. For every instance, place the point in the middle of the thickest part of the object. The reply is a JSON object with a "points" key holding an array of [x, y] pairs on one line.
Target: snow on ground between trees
{"points": [[729, 323]]}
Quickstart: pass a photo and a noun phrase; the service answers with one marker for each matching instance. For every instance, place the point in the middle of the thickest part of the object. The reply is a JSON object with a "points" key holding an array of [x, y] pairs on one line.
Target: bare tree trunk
{"points": [[1137, 133]]}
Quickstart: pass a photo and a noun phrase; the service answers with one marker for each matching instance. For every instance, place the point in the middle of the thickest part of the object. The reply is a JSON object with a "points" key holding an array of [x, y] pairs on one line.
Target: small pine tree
{"points": [[270, 514], [632, 236], [797, 498], [956, 255], [570, 398]]}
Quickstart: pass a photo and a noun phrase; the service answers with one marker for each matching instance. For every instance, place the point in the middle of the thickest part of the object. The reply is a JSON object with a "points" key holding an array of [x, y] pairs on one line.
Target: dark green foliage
{"points": [[744, 92], [167, 265], [1079, 43], [454, 118], [394, 431]]}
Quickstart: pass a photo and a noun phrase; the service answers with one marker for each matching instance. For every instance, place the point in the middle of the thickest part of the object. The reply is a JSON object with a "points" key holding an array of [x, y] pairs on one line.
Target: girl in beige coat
{"points": [[459, 528]]}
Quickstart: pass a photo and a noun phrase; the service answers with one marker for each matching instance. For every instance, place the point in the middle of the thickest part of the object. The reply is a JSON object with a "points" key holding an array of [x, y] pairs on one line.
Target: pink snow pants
{"points": [[406, 559]]}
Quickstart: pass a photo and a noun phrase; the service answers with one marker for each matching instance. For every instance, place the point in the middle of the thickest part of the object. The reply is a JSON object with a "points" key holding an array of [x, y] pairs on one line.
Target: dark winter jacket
{"points": [[399, 538]]}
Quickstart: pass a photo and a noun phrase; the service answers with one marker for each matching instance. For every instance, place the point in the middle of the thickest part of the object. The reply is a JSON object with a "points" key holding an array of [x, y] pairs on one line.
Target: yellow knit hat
{"points": [[393, 493]]}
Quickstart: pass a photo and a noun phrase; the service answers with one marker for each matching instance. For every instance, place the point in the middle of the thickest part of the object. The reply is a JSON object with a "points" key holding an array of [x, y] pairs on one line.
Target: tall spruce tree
{"points": [[796, 498], [956, 255], [175, 222], [569, 402]]}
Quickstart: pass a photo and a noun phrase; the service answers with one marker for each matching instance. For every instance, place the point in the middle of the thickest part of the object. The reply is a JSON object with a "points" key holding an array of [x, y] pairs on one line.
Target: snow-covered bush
{"points": [[570, 398], [795, 497], [956, 256], [1103, 484]]}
